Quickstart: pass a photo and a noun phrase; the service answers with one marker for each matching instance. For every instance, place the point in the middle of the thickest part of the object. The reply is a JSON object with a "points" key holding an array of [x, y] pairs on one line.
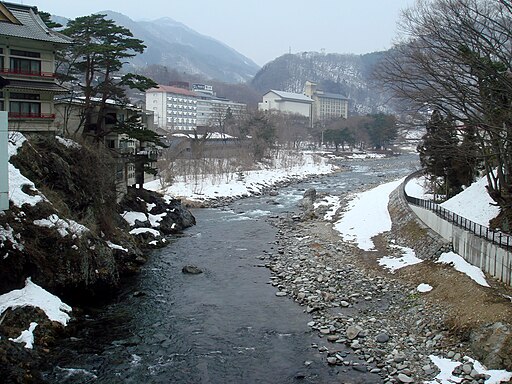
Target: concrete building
{"points": [[212, 111], [286, 102], [27, 65], [325, 105], [175, 108]]}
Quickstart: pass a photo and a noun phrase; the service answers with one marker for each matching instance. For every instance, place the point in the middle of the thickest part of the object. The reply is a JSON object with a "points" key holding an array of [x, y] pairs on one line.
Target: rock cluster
{"points": [[369, 322]]}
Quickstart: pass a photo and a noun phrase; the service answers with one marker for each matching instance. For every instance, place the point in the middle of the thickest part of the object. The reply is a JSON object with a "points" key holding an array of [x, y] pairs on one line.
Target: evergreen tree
{"points": [[438, 152], [95, 61], [381, 130]]}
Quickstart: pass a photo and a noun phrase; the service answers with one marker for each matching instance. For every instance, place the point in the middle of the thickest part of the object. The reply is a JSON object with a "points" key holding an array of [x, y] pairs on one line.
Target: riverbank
{"points": [[390, 327]]}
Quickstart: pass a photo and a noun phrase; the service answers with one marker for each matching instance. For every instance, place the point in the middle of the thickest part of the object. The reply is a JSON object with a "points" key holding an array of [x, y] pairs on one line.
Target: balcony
{"points": [[23, 116], [25, 73]]}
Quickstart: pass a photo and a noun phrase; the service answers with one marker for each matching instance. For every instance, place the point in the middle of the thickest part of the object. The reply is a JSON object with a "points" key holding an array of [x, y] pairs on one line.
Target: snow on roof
{"points": [[292, 96]]}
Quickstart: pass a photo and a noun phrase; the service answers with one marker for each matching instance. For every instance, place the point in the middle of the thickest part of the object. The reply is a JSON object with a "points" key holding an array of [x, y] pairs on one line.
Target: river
{"points": [[225, 325]]}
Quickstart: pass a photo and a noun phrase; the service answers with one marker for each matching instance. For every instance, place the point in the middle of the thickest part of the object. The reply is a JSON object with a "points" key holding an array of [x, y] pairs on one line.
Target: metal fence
{"points": [[496, 237]]}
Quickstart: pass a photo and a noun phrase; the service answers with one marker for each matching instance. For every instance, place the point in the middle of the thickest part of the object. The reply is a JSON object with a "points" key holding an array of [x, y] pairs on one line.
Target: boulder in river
{"points": [[191, 270]]}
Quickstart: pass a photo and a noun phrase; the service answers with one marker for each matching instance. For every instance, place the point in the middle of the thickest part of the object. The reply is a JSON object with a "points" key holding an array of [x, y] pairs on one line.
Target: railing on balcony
{"points": [[22, 115], [20, 72]]}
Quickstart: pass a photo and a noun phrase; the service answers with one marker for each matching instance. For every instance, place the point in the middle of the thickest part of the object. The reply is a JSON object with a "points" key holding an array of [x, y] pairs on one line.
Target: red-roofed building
{"points": [[175, 108]]}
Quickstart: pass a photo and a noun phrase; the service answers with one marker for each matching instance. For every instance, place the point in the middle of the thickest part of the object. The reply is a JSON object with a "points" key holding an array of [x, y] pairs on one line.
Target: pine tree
{"points": [[95, 61]]}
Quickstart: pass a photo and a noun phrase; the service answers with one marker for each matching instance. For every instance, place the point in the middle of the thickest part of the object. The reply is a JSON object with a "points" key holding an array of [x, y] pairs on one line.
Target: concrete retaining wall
{"points": [[411, 231], [492, 259]]}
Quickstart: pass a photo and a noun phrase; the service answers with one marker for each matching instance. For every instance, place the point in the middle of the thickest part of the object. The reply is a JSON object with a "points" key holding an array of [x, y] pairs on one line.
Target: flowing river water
{"points": [[225, 325]]}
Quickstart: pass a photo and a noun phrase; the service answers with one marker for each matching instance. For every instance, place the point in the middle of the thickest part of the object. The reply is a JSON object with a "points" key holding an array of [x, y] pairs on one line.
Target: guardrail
{"points": [[496, 237]]}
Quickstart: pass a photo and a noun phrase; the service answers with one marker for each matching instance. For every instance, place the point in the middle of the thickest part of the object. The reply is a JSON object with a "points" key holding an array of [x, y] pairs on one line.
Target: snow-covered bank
{"points": [[367, 216], [210, 187], [474, 203]]}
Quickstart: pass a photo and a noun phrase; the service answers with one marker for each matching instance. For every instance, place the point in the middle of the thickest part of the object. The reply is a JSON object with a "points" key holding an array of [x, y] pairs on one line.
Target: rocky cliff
{"points": [[65, 232]]}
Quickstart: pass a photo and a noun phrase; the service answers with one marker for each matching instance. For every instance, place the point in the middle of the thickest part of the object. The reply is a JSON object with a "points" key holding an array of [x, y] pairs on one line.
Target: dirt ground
{"points": [[468, 305]]}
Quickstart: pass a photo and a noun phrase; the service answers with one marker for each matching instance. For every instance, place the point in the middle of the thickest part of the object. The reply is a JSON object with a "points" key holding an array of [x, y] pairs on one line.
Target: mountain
{"points": [[176, 46], [346, 74]]}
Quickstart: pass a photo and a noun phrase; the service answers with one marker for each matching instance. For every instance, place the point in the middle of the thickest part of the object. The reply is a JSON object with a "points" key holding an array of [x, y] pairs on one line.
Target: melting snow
{"points": [[63, 226], [27, 336], [33, 295], [463, 266], [367, 216]]}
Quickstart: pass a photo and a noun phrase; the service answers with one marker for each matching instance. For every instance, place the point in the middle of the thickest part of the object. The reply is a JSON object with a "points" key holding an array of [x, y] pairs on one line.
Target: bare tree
{"points": [[455, 57]]}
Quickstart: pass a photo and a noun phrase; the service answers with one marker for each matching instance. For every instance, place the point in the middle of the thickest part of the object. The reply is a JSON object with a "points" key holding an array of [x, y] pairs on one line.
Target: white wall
{"points": [[157, 103], [273, 101], [489, 257]]}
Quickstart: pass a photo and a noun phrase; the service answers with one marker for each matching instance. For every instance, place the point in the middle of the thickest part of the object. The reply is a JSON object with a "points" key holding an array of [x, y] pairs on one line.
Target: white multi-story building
{"points": [[212, 111], [325, 105], [286, 102], [175, 108]]}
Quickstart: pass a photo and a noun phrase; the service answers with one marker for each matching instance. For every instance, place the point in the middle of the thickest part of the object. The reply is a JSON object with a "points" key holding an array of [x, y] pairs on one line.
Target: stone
{"points": [[382, 338], [281, 293], [353, 331], [404, 378], [360, 368], [191, 270]]}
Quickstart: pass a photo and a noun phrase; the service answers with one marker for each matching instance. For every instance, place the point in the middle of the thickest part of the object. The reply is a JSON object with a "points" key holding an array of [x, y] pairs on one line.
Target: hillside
{"points": [[180, 48], [347, 74]]}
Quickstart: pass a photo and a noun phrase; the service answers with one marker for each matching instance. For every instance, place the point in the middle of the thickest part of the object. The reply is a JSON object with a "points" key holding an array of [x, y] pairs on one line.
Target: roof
{"points": [[28, 26], [171, 89], [328, 95], [80, 100], [35, 85], [292, 96]]}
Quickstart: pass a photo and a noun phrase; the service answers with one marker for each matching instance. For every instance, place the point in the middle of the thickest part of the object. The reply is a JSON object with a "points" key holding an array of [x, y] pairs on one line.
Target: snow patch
{"points": [[138, 231], [64, 226], [33, 295], [68, 142], [367, 216], [423, 288], [26, 336], [395, 263], [463, 266]]}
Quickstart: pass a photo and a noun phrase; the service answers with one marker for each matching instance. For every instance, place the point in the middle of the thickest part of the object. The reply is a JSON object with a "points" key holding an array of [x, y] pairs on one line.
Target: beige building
{"points": [[326, 105], [27, 68], [286, 102]]}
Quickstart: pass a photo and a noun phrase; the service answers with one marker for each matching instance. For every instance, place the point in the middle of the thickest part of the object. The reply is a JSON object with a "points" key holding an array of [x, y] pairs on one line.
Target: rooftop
{"points": [[171, 89], [292, 96], [17, 20]]}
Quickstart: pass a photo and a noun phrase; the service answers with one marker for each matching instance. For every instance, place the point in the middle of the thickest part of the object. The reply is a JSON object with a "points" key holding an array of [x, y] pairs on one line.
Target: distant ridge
{"points": [[174, 45]]}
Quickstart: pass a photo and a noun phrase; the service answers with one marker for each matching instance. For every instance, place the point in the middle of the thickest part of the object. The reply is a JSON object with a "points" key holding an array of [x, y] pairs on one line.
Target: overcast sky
{"points": [[262, 29]]}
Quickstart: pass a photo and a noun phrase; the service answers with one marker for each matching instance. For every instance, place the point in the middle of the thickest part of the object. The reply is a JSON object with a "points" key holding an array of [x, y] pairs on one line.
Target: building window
{"points": [[17, 52], [25, 108], [25, 66]]}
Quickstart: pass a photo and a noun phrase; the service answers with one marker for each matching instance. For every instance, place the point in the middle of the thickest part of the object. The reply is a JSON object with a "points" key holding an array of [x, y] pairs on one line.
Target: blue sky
{"points": [[263, 29]]}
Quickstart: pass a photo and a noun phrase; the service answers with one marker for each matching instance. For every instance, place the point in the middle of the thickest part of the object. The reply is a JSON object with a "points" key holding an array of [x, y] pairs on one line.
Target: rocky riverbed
{"points": [[369, 320]]}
